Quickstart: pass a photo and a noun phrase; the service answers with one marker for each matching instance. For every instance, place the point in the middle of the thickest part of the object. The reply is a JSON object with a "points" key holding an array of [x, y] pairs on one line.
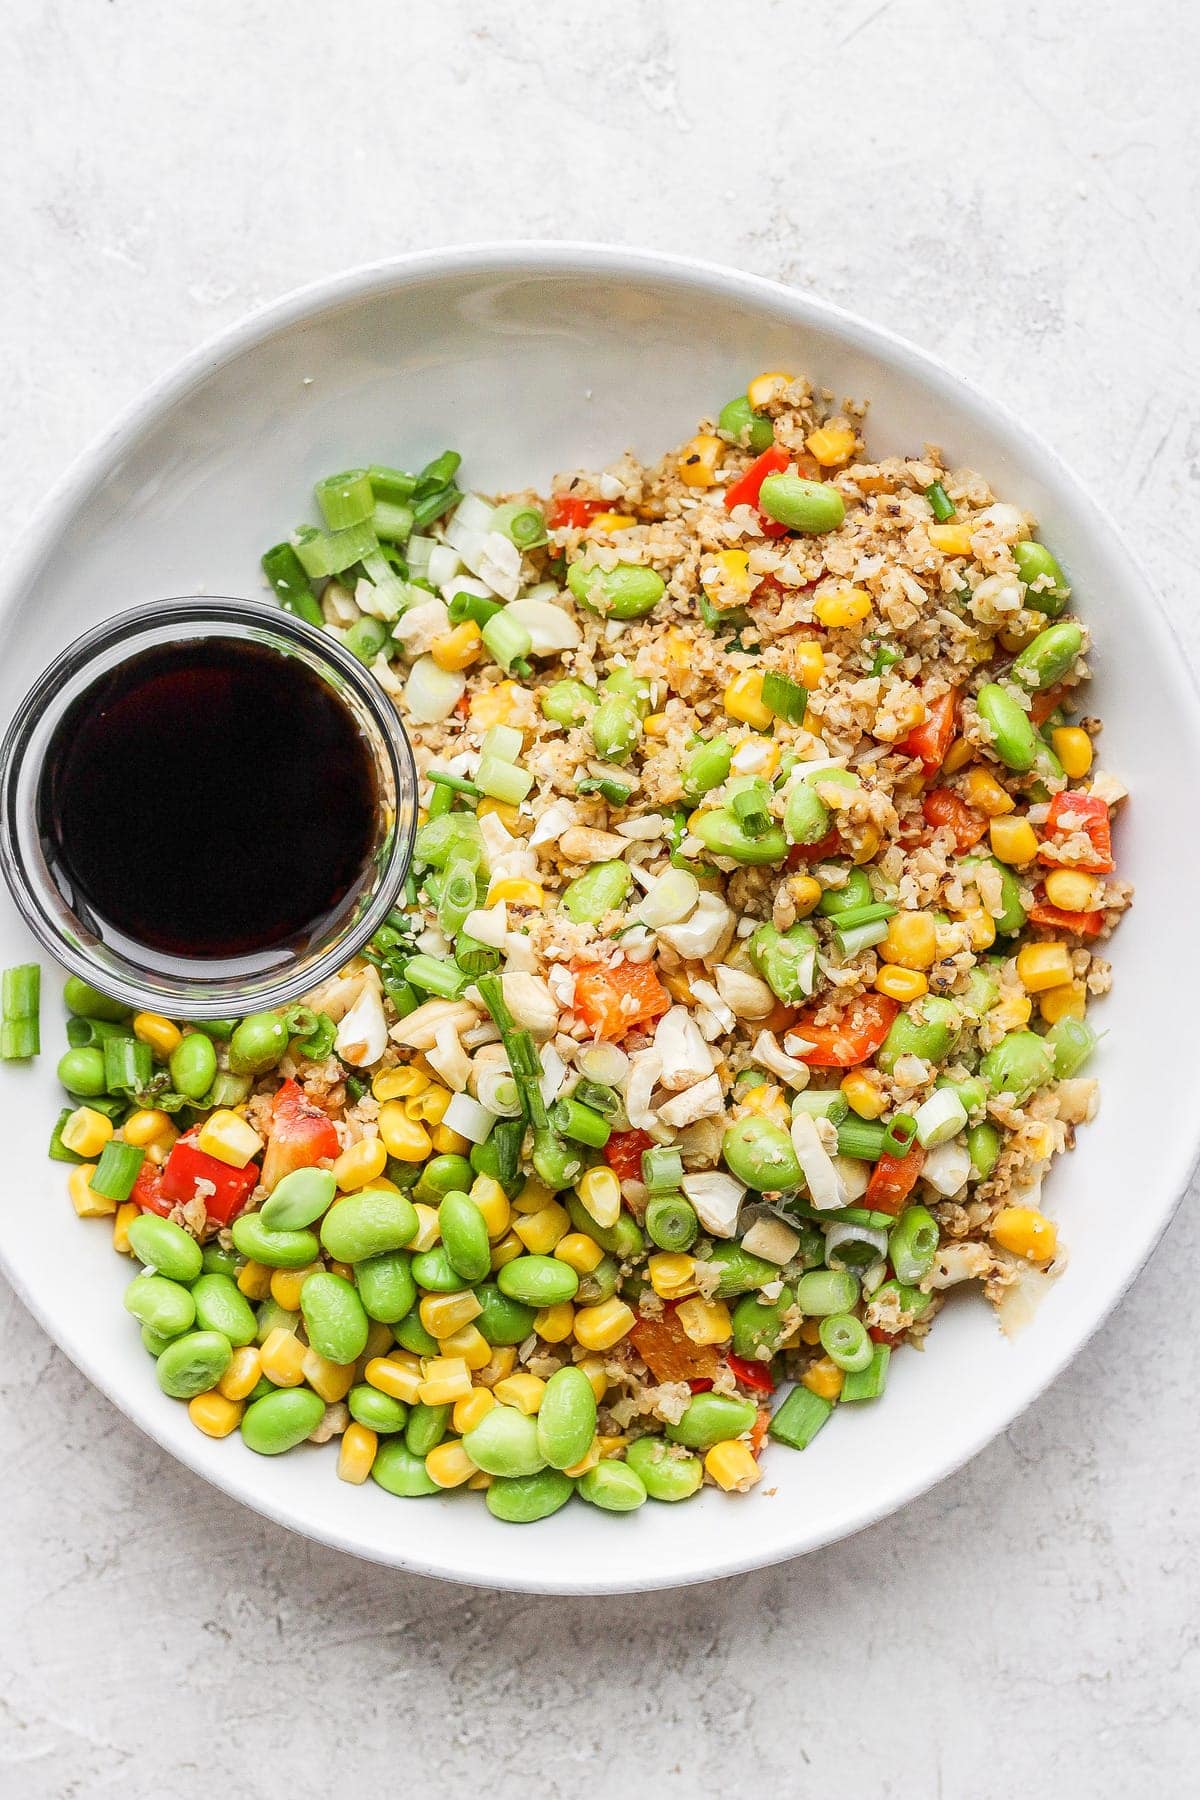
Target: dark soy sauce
{"points": [[212, 800]]}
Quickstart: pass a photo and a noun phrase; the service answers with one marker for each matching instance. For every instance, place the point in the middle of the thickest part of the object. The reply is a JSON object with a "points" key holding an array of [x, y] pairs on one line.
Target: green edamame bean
{"points": [[221, 1306], [386, 1287], [367, 1223], [637, 689], [599, 1283], [1047, 659], [983, 1146], [82, 1072], [538, 1281], [706, 765], [426, 1427], [615, 729], [629, 591], [786, 960], [738, 419], [465, 1237], [854, 892], [523, 1499], [444, 1174], [194, 1363], [215, 1261], [759, 1324], [667, 1474], [906, 1299], [566, 1419], [601, 890], [399, 1472], [281, 1420], [433, 1271], [1010, 729], [972, 1092], [504, 1319], [801, 505], [269, 1316], [377, 1411], [709, 1419], [1021, 1063], [156, 1341], [760, 1153], [412, 1335], [334, 1317], [724, 834], [258, 1043], [613, 1487], [928, 1029], [567, 702], [740, 1271], [806, 818], [623, 1240], [193, 1065], [262, 1386], [505, 1442], [299, 1200], [1046, 588], [277, 1249], [87, 1002], [166, 1247], [163, 1305], [1012, 914]]}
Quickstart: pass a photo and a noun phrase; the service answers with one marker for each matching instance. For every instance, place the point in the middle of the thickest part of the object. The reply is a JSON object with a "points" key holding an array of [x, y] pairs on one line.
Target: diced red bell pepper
{"points": [[857, 1036], [1088, 814], [700, 1387], [746, 489], [186, 1166], [1042, 705], [573, 510], [931, 739], [758, 1431], [878, 1335], [819, 852], [669, 1353], [752, 1374], [301, 1135], [623, 1153], [946, 812], [893, 1180], [147, 1191], [1082, 924]]}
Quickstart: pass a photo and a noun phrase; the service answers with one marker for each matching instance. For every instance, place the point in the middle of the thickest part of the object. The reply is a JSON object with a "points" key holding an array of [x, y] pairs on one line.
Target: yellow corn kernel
{"points": [[588, 1460], [362, 1163], [214, 1414], [356, 1453], [1066, 1002], [808, 664], [831, 444], [810, 1331], [600, 1193], [429, 1107], [522, 1390], [698, 464], [254, 1280], [331, 1380], [283, 1356], [286, 1285], [1026, 1232], [823, 1378], [541, 1231], [766, 1102], [243, 1373], [1013, 841], [459, 648], [1041, 966], [732, 1465], [160, 1149], [863, 1095], [804, 891], [679, 649], [444, 1314], [399, 1084], [911, 940], [981, 927], [579, 1252], [480, 1481], [449, 1465], [655, 725], [86, 1131], [743, 700], [87, 1203], [704, 1321], [1073, 748], [900, 984], [500, 1363], [611, 521], [517, 890], [495, 705], [399, 1136], [510, 817], [506, 1250], [493, 1203], [123, 1218], [469, 1343], [398, 1375], [1073, 890], [533, 1197], [911, 712], [227, 1136], [840, 607], [444, 1378], [728, 569], [145, 1126], [471, 1410], [600, 1327], [593, 1367], [449, 1143], [951, 539], [982, 791], [161, 1035], [958, 756], [1011, 1012], [764, 388], [555, 1323], [671, 1276], [679, 988], [428, 1229]]}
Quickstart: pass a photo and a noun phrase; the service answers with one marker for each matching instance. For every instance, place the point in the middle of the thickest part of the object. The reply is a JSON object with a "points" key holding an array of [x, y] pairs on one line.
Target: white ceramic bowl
{"points": [[529, 359]]}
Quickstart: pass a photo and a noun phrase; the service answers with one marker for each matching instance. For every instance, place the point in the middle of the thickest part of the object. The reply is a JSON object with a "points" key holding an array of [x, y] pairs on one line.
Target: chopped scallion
{"points": [[285, 572], [662, 1170], [785, 697], [939, 499], [524, 526], [117, 1170], [615, 792], [345, 499], [20, 1032], [503, 781], [434, 977], [507, 639]]}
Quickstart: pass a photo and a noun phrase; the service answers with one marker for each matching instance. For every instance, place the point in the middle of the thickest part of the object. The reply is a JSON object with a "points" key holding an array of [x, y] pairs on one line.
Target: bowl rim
{"points": [[538, 257]]}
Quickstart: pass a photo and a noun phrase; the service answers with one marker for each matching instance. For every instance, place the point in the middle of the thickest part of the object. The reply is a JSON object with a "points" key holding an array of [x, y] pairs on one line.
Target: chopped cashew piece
{"points": [[419, 1030], [362, 1036], [748, 995], [700, 933], [717, 1198], [820, 1171], [702, 1101], [769, 1054], [531, 1003], [684, 1055], [771, 1239]]}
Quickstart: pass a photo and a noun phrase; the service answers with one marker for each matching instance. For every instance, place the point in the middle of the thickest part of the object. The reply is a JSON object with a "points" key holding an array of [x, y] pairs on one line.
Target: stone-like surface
{"points": [[1013, 185]]}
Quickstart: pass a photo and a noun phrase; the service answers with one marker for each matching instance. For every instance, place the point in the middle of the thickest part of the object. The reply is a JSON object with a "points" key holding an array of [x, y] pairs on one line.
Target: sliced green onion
{"points": [[503, 742], [128, 1065], [322, 553], [391, 522], [117, 1170], [20, 1028], [721, 618], [393, 485], [434, 504], [474, 958], [852, 943], [615, 792], [861, 1139], [345, 499], [457, 898], [524, 526], [868, 1383], [751, 807], [503, 781], [458, 784], [286, 574], [84, 1032], [939, 499], [441, 802], [475, 607], [865, 915], [580, 1123], [822, 1103], [434, 977], [797, 1422], [785, 697], [899, 1134], [601, 1098], [437, 473], [58, 1151], [846, 1341], [507, 639], [662, 1170]]}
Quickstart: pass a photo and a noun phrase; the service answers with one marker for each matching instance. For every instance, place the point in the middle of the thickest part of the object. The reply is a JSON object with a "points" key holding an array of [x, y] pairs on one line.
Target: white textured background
{"points": [[1012, 185]]}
